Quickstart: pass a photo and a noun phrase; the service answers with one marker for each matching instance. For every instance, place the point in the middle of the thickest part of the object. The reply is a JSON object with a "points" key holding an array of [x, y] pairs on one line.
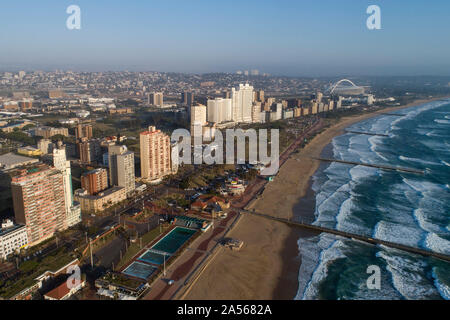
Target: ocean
{"points": [[394, 206]]}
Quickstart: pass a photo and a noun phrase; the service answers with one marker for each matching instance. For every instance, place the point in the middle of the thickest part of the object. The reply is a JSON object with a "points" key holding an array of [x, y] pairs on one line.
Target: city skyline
{"points": [[282, 38]]}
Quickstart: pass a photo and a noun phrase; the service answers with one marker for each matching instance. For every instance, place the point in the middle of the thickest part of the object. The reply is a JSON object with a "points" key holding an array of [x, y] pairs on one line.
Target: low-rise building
{"points": [[235, 187], [103, 200], [13, 237], [48, 132], [63, 291], [29, 151]]}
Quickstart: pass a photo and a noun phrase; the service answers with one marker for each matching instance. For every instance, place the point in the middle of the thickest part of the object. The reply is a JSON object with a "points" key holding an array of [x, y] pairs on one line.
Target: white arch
{"points": [[341, 81]]}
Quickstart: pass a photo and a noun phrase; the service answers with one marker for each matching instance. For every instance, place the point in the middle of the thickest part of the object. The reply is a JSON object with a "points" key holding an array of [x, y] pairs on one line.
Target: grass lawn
{"points": [[134, 248]]}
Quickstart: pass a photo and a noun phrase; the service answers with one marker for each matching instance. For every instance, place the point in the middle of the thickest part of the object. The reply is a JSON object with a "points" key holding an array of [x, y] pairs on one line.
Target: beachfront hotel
{"points": [[155, 155]]}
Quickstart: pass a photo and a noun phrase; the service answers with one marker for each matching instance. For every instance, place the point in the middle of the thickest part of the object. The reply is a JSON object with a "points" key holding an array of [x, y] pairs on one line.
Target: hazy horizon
{"points": [[282, 38]]}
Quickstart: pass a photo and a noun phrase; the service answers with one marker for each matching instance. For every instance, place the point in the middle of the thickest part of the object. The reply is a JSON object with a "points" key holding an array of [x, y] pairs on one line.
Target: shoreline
{"points": [[317, 147], [268, 265]]}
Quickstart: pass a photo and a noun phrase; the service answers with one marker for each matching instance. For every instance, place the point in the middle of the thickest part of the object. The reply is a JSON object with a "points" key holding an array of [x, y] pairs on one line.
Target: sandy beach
{"points": [[267, 266]]}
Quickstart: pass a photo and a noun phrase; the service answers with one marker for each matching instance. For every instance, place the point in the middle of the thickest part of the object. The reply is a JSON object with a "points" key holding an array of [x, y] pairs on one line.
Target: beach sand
{"points": [[268, 264]]}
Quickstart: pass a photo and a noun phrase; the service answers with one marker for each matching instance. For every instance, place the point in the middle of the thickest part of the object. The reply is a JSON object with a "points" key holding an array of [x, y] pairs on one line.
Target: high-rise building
{"points": [[95, 181], [39, 201], [219, 110], [319, 97], [90, 151], [260, 95], [187, 98], [339, 103], [83, 131], [73, 214], [242, 101], [198, 117], [270, 102], [46, 146], [155, 154], [26, 104], [256, 112], [156, 99], [121, 168]]}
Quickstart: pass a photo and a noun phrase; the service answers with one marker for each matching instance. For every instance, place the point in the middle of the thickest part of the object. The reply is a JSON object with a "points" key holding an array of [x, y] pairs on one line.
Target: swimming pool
{"points": [[139, 270], [169, 245], [174, 240], [153, 257]]}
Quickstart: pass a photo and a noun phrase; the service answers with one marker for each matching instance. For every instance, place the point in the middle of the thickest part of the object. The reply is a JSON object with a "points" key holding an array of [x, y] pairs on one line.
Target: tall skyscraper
{"points": [[121, 168], [156, 99], [242, 101], [155, 154], [95, 181], [198, 117], [73, 214], [39, 201]]}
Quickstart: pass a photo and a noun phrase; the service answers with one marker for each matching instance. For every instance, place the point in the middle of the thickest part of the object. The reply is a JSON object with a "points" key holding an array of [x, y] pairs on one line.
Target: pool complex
{"points": [[149, 261]]}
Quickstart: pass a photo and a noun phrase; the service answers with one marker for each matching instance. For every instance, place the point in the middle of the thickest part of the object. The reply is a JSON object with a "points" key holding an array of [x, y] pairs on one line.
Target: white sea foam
{"points": [[423, 221], [408, 275], [444, 290], [421, 161], [437, 244], [441, 121], [327, 256], [310, 249], [376, 141], [398, 233]]}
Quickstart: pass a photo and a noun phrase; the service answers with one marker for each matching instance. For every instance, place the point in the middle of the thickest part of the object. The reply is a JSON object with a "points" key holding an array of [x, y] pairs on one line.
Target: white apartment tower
{"points": [[198, 117], [156, 99], [219, 110], [242, 101], [121, 168], [60, 162]]}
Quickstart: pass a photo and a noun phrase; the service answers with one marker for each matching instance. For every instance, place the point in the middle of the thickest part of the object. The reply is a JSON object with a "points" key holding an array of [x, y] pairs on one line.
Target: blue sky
{"points": [[291, 37]]}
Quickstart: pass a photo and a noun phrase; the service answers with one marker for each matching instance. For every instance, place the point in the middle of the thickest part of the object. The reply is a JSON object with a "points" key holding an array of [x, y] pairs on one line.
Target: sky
{"points": [[282, 37]]}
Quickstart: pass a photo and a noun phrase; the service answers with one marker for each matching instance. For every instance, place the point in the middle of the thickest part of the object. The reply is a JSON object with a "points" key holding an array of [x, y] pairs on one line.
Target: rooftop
{"points": [[11, 160], [11, 229]]}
